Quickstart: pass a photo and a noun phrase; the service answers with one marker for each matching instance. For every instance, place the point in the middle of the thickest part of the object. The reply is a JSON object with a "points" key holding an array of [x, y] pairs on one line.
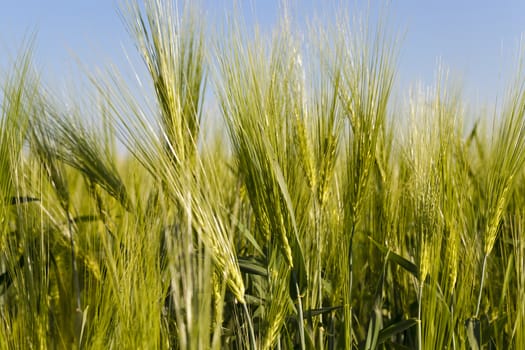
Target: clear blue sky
{"points": [[478, 40]]}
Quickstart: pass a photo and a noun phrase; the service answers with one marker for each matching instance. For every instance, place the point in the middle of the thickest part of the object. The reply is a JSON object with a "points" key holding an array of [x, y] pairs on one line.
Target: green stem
{"points": [[300, 312], [250, 326], [76, 281], [318, 224], [452, 321], [348, 294], [419, 313], [482, 282]]}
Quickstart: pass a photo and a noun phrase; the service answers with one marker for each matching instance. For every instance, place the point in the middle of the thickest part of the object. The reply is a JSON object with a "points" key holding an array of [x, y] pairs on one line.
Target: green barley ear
{"points": [[327, 118], [44, 146], [18, 90], [173, 51], [80, 147], [507, 156], [506, 160], [219, 291], [327, 168], [172, 48], [367, 76], [257, 99], [305, 150], [302, 119], [279, 303], [453, 184]]}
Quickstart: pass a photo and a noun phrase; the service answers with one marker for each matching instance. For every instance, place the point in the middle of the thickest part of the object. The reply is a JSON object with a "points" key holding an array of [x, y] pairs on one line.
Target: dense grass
{"points": [[320, 223]]}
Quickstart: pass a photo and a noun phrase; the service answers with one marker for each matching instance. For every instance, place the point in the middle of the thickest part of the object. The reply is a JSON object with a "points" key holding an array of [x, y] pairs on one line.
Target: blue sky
{"points": [[477, 40]]}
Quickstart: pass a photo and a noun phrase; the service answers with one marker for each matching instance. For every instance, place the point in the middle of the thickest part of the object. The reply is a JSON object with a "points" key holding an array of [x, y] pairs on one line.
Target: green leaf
{"points": [[506, 280], [249, 237], [398, 259], [22, 199], [252, 266], [396, 328], [320, 311], [373, 329], [252, 300], [473, 326]]}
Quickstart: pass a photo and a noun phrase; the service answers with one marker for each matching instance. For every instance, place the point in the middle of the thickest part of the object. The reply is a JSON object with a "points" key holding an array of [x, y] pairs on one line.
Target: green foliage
{"points": [[317, 224]]}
